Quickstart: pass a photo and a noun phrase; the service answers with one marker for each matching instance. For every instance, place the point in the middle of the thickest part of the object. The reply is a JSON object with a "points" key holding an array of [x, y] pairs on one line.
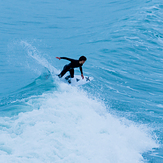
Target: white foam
{"points": [[67, 126]]}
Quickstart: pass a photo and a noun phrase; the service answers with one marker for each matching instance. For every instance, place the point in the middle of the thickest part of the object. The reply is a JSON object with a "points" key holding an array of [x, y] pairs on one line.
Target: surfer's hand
{"points": [[58, 58], [82, 76]]}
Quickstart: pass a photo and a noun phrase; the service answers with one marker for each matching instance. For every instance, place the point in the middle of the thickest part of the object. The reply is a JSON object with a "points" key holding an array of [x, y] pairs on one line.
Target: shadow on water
{"points": [[15, 102]]}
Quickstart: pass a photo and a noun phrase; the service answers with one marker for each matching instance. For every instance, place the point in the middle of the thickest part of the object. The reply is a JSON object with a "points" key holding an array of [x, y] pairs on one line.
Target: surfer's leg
{"points": [[70, 76], [72, 73], [65, 69]]}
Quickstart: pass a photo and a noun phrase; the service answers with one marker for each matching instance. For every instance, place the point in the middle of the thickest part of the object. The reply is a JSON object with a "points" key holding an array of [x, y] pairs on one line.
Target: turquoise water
{"points": [[117, 117]]}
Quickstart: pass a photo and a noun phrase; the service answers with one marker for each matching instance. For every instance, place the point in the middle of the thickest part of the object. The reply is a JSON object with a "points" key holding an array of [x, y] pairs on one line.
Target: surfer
{"points": [[70, 67]]}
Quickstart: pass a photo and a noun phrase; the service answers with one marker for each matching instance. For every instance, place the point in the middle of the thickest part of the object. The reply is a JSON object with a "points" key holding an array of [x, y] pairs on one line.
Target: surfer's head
{"points": [[82, 59]]}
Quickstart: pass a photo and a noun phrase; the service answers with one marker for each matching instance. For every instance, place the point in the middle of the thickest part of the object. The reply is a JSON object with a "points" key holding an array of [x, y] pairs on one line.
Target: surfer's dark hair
{"points": [[82, 58]]}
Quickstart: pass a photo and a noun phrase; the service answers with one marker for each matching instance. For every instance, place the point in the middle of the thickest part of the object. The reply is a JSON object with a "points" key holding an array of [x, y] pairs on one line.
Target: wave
{"points": [[51, 121], [66, 125]]}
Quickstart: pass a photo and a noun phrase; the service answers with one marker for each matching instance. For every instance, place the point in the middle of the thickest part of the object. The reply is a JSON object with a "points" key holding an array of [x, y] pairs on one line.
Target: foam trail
{"points": [[33, 52], [67, 126]]}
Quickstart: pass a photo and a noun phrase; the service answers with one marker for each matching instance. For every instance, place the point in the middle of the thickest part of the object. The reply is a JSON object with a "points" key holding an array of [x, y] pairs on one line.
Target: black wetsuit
{"points": [[70, 67]]}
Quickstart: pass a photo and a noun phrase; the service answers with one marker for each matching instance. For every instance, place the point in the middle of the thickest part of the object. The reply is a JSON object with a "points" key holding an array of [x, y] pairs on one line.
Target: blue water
{"points": [[117, 117]]}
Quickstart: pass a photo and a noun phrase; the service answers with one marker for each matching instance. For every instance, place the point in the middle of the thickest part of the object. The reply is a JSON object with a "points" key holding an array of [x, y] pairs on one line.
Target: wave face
{"points": [[117, 117]]}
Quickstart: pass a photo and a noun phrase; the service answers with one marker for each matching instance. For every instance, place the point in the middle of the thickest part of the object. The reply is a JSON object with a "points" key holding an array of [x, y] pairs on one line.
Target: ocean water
{"points": [[117, 117]]}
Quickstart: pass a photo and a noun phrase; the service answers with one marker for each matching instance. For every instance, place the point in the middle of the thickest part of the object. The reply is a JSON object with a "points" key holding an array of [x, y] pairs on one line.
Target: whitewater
{"points": [[115, 118]]}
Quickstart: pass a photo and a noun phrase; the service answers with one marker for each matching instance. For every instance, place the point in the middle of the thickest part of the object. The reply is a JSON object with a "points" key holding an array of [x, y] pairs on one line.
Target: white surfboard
{"points": [[77, 80]]}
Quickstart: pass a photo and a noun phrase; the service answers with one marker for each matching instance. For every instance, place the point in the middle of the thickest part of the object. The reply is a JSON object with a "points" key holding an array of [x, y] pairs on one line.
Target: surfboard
{"points": [[77, 80]]}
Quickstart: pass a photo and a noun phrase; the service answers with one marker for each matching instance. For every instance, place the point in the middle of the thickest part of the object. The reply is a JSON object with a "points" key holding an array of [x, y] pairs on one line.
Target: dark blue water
{"points": [[117, 117]]}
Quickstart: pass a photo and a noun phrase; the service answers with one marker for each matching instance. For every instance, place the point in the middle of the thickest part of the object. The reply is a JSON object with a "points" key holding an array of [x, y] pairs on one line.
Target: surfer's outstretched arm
{"points": [[69, 59]]}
